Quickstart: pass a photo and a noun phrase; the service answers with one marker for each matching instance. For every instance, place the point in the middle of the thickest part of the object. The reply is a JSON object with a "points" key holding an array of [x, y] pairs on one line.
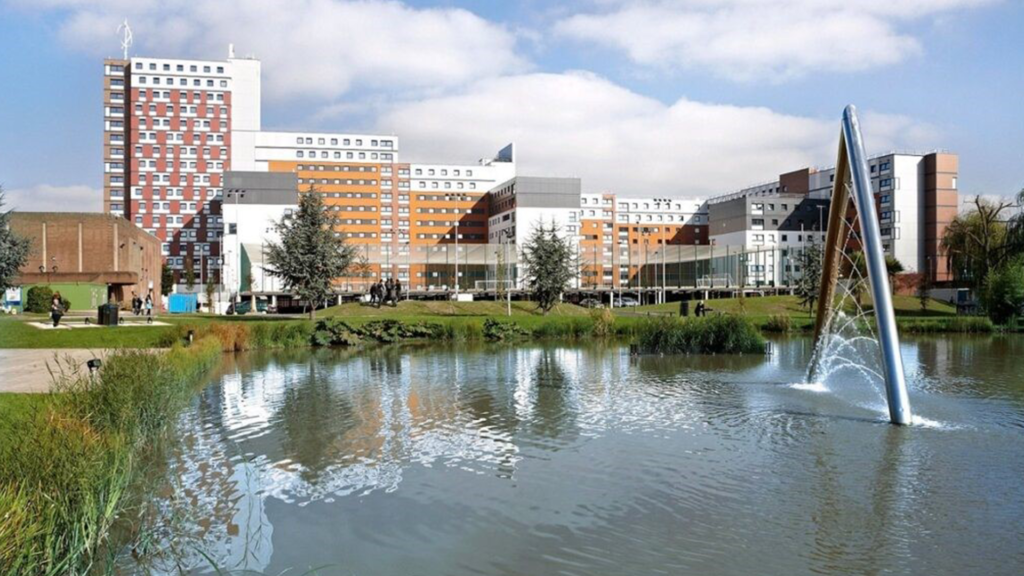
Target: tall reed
{"points": [[65, 481]]}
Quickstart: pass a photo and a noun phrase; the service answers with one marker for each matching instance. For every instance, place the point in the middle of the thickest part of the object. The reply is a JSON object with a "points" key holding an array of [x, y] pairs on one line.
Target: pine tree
{"points": [[166, 279], [550, 264], [311, 254], [13, 249], [809, 284]]}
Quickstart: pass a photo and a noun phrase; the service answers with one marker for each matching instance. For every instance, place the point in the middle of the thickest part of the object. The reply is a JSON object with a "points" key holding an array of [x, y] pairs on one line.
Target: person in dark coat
{"points": [[398, 292], [56, 309]]}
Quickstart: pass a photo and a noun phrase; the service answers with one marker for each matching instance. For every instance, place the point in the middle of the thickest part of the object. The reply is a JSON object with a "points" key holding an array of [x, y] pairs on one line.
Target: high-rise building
{"points": [[167, 143]]}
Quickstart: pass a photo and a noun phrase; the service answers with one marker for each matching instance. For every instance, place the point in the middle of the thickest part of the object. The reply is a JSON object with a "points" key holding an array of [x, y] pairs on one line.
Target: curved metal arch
{"points": [[853, 179]]}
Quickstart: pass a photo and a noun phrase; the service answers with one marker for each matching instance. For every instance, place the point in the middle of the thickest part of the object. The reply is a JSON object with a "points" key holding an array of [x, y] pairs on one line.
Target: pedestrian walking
{"points": [[398, 292], [389, 291], [149, 306]]}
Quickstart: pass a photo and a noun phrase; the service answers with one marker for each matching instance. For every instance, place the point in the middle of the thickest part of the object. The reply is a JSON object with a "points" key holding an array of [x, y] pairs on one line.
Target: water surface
{"points": [[584, 460]]}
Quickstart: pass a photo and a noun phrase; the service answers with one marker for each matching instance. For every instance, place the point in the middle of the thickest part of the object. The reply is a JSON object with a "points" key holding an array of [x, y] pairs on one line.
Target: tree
{"points": [[1003, 291], [13, 249], [361, 267], [855, 270], [924, 286], [166, 279], [550, 263], [808, 286], [893, 267], [311, 254], [976, 242], [190, 273], [210, 289]]}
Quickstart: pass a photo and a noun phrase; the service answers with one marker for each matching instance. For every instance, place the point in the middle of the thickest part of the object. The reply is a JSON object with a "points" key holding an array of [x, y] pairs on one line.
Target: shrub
{"points": [[498, 331], [959, 325], [333, 332], [779, 323], [38, 300], [604, 323], [721, 334], [1003, 292]]}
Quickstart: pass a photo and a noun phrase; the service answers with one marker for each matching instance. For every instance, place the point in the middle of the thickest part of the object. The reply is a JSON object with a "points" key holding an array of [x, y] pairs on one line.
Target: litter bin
{"points": [[108, 315], [684, 308]]}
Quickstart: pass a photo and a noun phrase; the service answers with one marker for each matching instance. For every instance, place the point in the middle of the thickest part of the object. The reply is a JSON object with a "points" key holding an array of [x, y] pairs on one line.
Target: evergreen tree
{"points": [[311, 254], [13, 249], [190, 273], [166, 279], [550, 264], [211, 288], [808, 285]]}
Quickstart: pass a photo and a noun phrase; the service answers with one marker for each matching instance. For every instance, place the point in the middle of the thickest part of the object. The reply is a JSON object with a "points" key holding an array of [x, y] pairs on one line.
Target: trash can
{"points": [[684, 308], [108, 315]]}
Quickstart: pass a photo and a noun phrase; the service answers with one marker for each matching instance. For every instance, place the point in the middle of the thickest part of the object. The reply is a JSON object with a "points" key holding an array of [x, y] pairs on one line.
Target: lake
{"points": [[564, 459]]}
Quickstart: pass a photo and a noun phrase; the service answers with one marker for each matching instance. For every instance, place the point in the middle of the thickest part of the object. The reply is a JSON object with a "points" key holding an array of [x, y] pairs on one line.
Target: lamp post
{"points": [[237, 193]]}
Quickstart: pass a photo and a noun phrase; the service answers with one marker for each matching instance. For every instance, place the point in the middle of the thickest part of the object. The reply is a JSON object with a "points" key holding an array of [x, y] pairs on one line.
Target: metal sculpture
{"points": [[852, 178]]}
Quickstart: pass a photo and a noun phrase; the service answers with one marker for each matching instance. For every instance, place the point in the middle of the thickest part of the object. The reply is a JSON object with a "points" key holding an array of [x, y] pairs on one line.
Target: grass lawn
{"points": [[445, 308], [15, 332], [905, 306]]}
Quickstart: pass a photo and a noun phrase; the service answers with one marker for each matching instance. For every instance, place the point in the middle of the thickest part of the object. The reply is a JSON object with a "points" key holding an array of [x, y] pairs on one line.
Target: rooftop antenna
{"points": [[126, 40]]}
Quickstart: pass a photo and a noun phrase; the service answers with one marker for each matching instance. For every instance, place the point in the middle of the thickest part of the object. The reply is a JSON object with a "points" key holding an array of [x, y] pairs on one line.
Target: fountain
{"points": [[831, 328]]}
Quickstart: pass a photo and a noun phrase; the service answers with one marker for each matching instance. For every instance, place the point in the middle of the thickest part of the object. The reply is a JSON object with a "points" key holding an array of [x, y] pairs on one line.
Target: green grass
{"points": [[445, 308], [69, 461], [766, 306], [720, 334]]}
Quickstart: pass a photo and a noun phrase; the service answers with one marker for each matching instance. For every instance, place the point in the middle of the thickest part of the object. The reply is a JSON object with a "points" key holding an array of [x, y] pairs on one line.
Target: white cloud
{"points": [[48, 198], [316, 49], [579, 124], [760, 39]]}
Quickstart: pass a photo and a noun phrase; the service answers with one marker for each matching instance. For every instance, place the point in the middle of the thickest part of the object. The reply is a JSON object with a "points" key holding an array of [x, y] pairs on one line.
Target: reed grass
{"points": [[65, 478], [719, 334]]}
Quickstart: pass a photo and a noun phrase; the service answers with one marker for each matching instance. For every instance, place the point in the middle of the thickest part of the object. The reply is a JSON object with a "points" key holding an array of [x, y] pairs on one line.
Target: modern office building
{"points": [[915, 196], [175, 129]]}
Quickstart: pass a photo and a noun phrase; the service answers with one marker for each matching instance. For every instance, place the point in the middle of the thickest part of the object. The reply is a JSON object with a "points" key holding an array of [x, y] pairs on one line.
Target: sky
{"points": [[641, 98]]}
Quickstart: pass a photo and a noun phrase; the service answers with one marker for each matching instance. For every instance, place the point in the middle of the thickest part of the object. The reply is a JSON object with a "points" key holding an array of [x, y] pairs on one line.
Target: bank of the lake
{"points": [[70, 461], [465, 320]]}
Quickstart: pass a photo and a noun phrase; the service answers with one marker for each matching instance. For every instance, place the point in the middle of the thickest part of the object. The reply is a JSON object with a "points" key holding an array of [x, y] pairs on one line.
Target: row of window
{"points": [[211, 111], [184, 165], [324, 155], [444, 172], [345, 142], [337, 182], [197, 97], [195, 138], [196, 82], [179, 68], [183, 179], [338, 168], [182, 151]]}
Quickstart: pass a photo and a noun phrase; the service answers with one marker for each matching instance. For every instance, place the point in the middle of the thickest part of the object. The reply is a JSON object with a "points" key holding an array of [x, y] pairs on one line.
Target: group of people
{"points": [[140, 306], [385, 292]]}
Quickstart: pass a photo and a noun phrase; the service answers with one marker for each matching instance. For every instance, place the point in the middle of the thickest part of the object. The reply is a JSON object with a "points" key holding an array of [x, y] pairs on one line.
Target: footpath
{"points": [[32, 369]]}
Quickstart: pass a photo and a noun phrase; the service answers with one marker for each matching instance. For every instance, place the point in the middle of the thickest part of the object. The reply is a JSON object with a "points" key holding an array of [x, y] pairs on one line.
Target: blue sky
{"points": [[660, 97]]}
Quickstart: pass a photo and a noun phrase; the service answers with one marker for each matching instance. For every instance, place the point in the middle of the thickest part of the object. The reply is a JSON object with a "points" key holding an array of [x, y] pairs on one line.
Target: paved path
{"points": [[28, 370]]}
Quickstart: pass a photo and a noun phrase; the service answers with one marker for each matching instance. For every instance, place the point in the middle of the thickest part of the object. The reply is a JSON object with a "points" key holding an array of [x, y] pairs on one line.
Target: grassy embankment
{"points": [[68, 461], [784, 314], [461, 320]]}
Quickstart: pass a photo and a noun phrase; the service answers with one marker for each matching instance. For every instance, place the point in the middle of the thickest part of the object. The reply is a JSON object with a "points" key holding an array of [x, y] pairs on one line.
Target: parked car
{"points": [[591, 303], [245, 306], [626, 301]]}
